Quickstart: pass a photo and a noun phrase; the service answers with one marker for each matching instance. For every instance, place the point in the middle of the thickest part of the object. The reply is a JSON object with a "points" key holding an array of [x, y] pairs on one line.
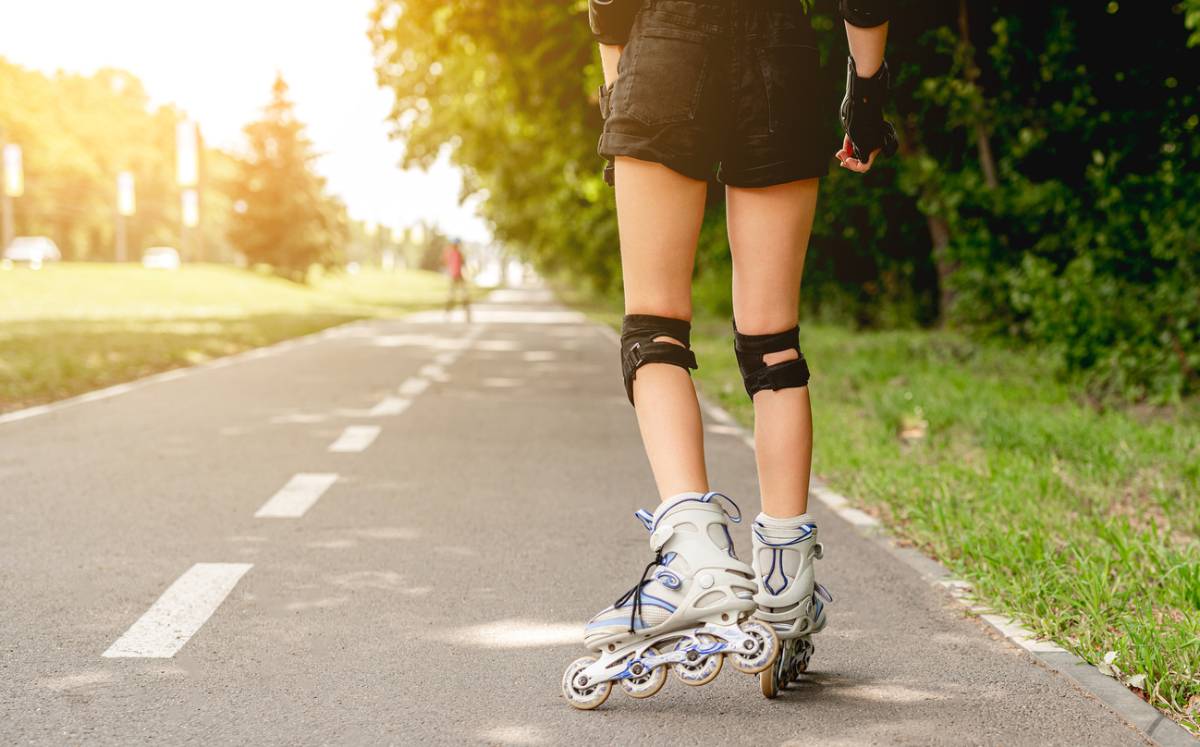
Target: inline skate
{"points": [[690, 610], [788, 598]]}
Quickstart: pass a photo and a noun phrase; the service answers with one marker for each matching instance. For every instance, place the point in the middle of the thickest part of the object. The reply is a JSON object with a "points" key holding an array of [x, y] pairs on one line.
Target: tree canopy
{"points": [[1046, 190], [282, 214]]}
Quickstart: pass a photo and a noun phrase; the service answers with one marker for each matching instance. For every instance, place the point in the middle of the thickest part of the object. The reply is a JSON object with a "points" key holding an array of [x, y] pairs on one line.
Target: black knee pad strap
{"points": [[756, 374], [638, 346]]}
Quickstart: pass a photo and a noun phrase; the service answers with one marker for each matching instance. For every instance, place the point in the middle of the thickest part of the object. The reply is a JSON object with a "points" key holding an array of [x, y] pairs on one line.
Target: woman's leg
{"points": [[768, 235], [659, 212]]}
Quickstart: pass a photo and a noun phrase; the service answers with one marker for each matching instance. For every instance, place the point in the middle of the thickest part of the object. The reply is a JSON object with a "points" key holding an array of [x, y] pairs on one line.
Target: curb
{"points": [[1147, 719]]}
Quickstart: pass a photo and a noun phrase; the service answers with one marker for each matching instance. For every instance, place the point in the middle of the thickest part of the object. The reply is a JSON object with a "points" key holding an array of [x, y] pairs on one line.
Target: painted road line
{"points": [[180, 612], [413, 386], [433, 372], [300, 493], [389, 406], [355, 438], [29, 412]]}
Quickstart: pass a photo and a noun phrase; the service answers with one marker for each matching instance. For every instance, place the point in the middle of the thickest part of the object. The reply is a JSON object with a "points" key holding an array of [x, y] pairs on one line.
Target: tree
{"points": [[283, 216]]}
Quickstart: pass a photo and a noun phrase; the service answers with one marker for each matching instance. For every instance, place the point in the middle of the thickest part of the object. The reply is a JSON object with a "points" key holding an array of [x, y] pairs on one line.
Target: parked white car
{"points": [[32, 250], [160, 258]]}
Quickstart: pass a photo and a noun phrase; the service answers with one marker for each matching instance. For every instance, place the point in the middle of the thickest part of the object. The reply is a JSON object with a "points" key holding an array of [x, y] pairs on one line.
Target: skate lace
{"points": [[636, 592], [650, 521]]}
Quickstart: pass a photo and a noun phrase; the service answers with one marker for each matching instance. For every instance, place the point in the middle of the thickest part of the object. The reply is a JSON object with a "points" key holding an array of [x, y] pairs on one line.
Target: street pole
{"points": [[13, 186], [126, 206], [187, 175], [121, 249], [6, 220]]}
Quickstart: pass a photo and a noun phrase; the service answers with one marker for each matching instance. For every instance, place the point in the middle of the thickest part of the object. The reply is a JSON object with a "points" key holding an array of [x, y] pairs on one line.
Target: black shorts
{"points": [[729, 82]]}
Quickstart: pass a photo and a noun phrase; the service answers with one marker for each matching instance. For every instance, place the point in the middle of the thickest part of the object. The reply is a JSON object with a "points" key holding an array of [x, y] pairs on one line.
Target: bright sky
{"points": [[217, 59]]}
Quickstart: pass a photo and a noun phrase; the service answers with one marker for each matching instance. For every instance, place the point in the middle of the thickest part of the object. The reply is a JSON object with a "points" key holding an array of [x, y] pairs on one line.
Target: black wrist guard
{"points": [[862, 113]]}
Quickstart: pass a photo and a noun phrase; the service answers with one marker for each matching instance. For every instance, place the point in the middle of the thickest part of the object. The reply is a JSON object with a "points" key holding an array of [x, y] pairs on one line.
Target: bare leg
{"points": [[659, 213], [768, 235]]}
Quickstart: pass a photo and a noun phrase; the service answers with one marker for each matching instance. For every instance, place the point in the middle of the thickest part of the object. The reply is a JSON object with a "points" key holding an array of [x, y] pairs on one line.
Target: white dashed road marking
{"points": [[180, 612], [355, 438], [413, 386], [389, 406], [433, 372], [299, 495]]}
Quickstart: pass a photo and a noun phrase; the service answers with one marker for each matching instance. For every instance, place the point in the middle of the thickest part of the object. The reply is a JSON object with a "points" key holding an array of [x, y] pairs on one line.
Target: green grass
{"points": [[1082, 523], [69, 328]]}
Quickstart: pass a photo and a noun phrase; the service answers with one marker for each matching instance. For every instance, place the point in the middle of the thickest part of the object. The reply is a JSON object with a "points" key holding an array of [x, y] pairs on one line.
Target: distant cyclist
{"points": [[459, 293]]}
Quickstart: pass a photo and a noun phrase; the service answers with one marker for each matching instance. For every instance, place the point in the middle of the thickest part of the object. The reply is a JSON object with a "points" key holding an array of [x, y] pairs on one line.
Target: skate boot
{"points": [[789, 600], [689, 611]]}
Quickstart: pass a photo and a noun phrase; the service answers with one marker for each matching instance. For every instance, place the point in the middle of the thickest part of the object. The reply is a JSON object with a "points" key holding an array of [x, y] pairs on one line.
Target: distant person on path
{"points": [[731, 86], [459, 292]]}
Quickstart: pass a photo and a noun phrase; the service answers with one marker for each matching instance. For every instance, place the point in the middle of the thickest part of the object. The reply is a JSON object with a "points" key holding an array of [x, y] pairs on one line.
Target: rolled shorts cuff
{"points": [[613, 144], [771, 174]]}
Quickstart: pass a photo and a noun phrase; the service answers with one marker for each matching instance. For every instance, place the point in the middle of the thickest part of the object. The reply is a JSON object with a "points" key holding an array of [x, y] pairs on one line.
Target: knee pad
{"points": [[638, 346], [756, 374]]}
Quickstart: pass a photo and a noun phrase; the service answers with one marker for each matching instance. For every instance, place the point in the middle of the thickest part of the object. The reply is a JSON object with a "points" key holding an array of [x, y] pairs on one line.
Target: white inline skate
{"points": [[789, 599], [689, 611]]}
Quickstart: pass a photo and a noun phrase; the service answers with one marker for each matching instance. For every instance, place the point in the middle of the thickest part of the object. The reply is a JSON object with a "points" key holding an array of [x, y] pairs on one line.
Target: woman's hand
{"points": [[610, 56], [846, 157]]}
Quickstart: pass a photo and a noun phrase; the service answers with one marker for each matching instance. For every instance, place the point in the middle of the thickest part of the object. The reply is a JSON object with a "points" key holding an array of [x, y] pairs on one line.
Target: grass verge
{"points": [[70, 328], [1084, 524]]}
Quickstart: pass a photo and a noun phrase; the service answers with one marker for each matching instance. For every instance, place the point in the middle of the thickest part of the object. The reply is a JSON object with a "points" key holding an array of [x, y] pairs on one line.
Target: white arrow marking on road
{"points": [[355, 438], [389, 406], [299, 495], [413, 386], [180, 612]]}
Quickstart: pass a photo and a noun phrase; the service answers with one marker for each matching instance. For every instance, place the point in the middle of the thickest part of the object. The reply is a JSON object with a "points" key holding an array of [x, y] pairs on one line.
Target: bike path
{"points": [[435, 589]]}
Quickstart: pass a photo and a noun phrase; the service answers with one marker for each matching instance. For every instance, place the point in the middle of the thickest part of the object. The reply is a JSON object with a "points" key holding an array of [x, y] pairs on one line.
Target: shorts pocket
{"points": [[665, 80], [791, 75], [605, 96]]}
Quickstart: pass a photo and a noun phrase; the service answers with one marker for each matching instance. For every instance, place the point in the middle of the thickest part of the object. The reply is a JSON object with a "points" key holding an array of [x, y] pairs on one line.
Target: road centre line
{"points": [[433, 371], [355, 438], [180, 612], [389, 406], [413, 386], [297, 496]]}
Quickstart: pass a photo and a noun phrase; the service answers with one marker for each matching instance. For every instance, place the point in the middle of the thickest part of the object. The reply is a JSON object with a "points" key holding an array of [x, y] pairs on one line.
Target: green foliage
{"points": [[508, 87], [1082, 523], [284, 218], [76, 133], [1046, 189], [74, 327]]}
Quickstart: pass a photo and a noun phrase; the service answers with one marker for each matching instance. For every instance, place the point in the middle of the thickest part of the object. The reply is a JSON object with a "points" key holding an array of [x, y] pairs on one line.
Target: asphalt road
{"points": [[426, 581]]}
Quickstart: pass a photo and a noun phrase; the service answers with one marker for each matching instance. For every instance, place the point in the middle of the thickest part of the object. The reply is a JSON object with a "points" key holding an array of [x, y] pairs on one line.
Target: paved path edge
{"points": [[1151, 722]]}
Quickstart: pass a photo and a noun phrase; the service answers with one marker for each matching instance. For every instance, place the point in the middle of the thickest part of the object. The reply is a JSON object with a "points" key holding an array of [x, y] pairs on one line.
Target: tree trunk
{"points": [[939, 235], [987, 163]]}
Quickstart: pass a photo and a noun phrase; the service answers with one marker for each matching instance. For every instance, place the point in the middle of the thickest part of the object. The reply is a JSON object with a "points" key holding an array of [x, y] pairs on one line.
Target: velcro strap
{"points": [[642, 353], [786, 375], [776, 342], [647, 326]]}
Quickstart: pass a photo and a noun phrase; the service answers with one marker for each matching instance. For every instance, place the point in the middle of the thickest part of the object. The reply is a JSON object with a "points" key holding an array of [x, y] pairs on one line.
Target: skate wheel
{"points": [[802, 656], [588, 696], [648, 682], [769, 684], [701, 671], [764, 654]]}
